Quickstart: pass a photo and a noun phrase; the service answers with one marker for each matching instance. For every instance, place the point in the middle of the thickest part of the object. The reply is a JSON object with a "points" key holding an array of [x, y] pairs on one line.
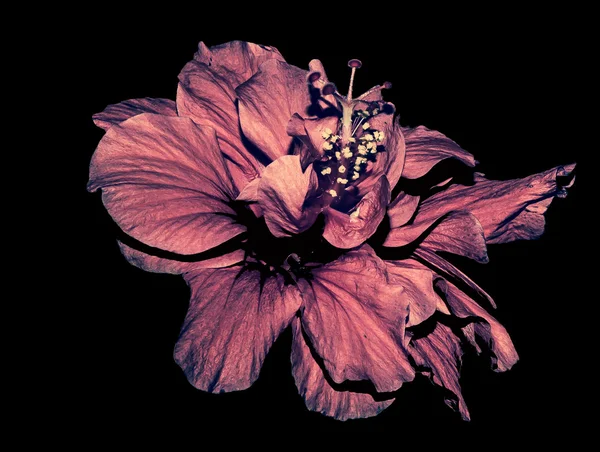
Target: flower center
{"points": [[350, 150]]}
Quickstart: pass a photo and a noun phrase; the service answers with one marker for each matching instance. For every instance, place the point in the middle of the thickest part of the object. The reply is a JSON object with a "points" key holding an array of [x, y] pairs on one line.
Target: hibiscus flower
{"points": [[283, 203]]}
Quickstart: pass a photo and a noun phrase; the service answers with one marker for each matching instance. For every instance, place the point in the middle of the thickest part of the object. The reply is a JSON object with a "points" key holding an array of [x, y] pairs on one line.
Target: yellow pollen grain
{"points": [[366, 126], [338, 155], [342, 181], [342, 169], [326, 171], [327, 146], [333, 193]]}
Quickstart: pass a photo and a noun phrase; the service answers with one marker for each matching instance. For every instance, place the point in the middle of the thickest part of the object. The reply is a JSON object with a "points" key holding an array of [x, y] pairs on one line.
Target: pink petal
{"points": [[485, 326], [234, 317], [459, 233], [117, 113], [402, 209], [388, 162], [209, 100], [310, 132], [507, 210], [418, 294], [165, 184], [441, 353], [346, 231], [355, 318], [425, 148], [282, 194], [155, 264], [451, 273], [236, 61], [395, 152], [267, 102], [323, 395]]}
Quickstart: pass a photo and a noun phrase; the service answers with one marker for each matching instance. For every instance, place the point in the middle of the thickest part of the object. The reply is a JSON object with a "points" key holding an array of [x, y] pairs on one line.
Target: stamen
{"points": [[354, 215], [327, 146], [354, 64], [326, 133], [326, 171], [386, 85], [333, 193], [342, 169], [342, 181], [366, 126]]}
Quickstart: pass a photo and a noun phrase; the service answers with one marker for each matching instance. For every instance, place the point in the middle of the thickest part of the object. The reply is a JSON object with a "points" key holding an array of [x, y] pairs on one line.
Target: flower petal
{"points": [[456, 232], [344, 230], [236, 61], [441, 353], [485, 326], [402, 209], [267, 102], [418, 294], [508, 210], [282, 194], [117, 113], [425, 148], [459, 233], [355, 319], [310, 132], [209, 100], [165, 184], [234, 317], [323, 395], [451, 273], [156, 264]]}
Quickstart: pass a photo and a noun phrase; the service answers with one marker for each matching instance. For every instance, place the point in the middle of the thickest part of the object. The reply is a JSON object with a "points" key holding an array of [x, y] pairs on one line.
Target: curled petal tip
{"points": [[354, 63], [566, 170]]}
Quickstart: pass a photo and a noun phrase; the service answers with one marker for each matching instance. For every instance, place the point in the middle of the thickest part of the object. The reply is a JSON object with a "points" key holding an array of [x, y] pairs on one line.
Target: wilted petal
{"points": [[267, 102], [395, 153], [418, 294], [485, 326], [282, 194], [459, 233], [236, 61], [209, 100], [156, 264], [508, 210], [441, 353], [323, 395], [355, 319], [425, 148], [165, 184], [402, 209], [117, 113], [455, 232], [389, 161], [234, 317], [451, 273], [349, 230], [310, 132]]}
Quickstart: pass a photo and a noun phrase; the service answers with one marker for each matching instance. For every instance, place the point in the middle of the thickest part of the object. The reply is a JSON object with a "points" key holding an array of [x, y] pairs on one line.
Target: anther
{"points": [[313, 77], [328, 89]]}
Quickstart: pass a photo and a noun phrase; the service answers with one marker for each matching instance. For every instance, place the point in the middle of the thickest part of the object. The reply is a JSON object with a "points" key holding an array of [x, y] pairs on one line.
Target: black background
{"points": [[505, 85]]}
